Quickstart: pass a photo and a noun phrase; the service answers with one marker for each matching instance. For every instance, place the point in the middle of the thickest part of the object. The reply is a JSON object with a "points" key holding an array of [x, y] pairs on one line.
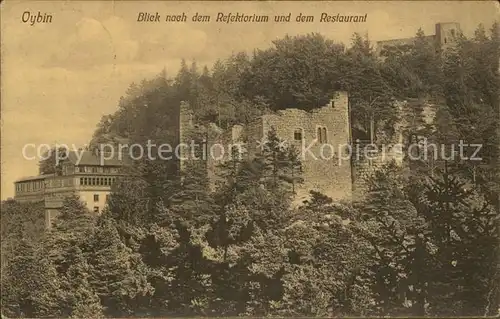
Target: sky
{"points": [[59, 78]]}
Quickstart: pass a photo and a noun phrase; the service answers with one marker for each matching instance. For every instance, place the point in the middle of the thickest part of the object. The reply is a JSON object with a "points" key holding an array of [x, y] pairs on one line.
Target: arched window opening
{"points": [[322, 135]]}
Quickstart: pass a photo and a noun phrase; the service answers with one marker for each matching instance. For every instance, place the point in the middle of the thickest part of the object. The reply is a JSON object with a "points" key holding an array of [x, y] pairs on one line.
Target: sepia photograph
{"points": [[165, 159]]}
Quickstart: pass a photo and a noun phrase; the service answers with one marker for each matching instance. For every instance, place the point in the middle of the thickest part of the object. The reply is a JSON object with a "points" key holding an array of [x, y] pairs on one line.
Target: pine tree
{"points": [[270, 192], [426, 65], [395, 233], [183, 82], [464, 231], [369, 94], [191, 204]]}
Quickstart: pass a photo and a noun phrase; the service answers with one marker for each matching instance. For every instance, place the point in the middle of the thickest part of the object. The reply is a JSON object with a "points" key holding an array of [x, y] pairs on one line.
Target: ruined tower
{"points": [[322, 138], [446, 34], [186, 125]]}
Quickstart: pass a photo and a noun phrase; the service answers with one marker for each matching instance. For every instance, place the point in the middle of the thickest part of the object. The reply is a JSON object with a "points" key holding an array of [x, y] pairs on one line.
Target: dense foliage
{"points": [[169, 245]]}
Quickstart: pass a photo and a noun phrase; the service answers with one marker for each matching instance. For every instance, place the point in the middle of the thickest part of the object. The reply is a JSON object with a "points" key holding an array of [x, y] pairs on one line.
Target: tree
{"points": [[429, 237], [116, 273], [395, 230], [30, 284], [20, 221], [49, 163], [70, 229], [80, 299], [464, 230], [370, 96], [273, 73], [326, 258]]}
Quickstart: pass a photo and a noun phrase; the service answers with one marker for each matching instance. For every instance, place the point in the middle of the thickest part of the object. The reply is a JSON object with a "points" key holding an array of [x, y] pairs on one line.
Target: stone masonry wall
{"points": [[323, 168], [186, 126], [219, 148]]}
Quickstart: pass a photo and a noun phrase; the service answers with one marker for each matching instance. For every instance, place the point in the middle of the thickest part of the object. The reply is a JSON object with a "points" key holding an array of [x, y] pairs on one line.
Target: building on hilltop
{"points": [[445, 36], [325, 134], [84, 174]]}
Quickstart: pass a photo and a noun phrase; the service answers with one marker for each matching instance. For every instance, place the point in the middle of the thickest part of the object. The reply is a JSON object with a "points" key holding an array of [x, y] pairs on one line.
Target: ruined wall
{"points": [[363, 170], [252, 133], [447, 33], [324, 170], [326, 166], [219, 146], [394, 150], [186, 127]]}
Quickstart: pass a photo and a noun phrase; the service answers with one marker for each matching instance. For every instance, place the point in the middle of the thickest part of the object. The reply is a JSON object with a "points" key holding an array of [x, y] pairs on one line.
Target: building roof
{"points": [[96, 158], [32, 178], [84, 158]]}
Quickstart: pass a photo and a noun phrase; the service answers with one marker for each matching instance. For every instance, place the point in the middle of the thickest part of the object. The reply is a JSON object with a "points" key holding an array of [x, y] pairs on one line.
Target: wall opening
{"points": [[297, 134], [322, 135]]}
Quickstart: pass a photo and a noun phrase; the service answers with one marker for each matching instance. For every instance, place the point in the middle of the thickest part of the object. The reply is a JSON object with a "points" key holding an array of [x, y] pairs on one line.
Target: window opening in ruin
{"points": [[297, 135], [321, 135]]}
